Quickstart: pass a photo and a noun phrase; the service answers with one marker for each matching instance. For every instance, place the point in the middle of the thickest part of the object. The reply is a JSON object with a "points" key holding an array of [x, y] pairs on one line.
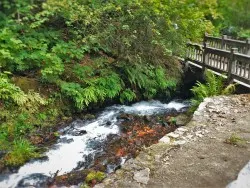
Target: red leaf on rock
{"points": [[120, 152]]}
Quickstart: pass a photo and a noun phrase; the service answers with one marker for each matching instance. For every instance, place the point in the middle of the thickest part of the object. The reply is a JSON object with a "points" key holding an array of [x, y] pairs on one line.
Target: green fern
{"points": [[127, 96], [229, 89], [148, 79], [94, 89], [215, 85]]}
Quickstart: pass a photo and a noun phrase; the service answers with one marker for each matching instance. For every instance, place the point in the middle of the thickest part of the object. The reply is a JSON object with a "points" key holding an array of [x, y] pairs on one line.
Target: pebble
{"points": [[173, 135], [181, 129], [165, 140], [180, 142], [142, 176]]}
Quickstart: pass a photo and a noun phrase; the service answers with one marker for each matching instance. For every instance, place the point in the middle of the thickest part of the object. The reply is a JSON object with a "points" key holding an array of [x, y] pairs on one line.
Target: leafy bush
{"points": [[11, 94], [127, 96], [86, 52], [95, 175], [215, 85], [21, 152], [148, 79]]}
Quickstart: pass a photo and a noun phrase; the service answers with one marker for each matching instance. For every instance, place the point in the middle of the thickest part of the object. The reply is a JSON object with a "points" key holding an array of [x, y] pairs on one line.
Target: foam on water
{"points": [[65, 156]]}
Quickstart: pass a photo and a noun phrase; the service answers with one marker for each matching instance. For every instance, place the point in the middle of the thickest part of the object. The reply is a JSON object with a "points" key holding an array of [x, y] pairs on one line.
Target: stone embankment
{"points": [[209, 151]]}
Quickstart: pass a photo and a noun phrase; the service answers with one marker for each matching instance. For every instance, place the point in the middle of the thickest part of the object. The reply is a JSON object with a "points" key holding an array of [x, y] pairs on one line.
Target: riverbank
{"points": [[208, 152], [86, 148]]}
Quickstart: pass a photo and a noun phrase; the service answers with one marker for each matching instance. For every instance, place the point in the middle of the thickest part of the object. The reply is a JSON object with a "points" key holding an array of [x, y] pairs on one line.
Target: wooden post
{"points": [[223, 42], [205, 45], [205, 38], [248, 46], [231, 66]]}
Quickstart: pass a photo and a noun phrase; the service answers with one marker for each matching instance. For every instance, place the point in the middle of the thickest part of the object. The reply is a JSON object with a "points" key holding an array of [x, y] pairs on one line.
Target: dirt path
{"points": [[209, 152]]}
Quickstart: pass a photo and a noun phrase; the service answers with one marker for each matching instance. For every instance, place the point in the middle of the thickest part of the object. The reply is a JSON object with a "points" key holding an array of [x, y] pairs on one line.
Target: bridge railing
{"points": [[232, 63], [226, 43]]}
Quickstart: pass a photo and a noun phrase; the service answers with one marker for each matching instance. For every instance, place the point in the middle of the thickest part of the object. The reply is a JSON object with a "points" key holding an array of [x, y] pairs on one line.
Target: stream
{"points": [[81, 140]]}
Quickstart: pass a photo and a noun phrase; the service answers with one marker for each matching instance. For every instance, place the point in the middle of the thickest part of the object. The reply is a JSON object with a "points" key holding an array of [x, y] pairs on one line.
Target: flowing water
{"points": [[79, 140]]}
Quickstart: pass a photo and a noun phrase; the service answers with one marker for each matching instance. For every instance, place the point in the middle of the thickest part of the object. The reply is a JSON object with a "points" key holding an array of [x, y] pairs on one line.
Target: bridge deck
{"points": [[235, 66]]}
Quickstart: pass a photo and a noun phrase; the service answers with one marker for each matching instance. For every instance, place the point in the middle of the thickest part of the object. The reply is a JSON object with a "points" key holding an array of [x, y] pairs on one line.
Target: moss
{"points": [[26, 84], [95, 175], [236, 140], [22, 151]]}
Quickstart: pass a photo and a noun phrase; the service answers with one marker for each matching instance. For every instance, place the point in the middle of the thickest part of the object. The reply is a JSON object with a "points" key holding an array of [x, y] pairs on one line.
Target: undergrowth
{"points": [[213, 86], [80, 54]]}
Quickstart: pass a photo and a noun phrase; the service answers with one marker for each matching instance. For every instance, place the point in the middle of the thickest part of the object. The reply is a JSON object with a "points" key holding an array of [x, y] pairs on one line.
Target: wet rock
{"points": [[126, 117], [165, 124], [34, 180], [111, 137], [109, 123], [79, 133], [89, 116], [147, 118], [142, 176], [94, 144], [182, 120], [112, 168], [66, 140], [42, 158], [172, 111]]}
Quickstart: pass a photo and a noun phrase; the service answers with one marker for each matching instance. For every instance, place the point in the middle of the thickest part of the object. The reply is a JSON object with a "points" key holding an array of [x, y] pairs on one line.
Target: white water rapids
{"points": [[72, 148]]}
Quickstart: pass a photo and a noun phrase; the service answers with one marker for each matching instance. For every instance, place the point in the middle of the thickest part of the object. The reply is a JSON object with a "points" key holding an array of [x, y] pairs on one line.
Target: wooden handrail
{"points": [[226, 43], [232, 63]]}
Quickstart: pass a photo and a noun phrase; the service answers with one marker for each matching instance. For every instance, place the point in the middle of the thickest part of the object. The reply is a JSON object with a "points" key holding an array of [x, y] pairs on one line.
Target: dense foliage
{"points": [[213, 86], [60, 57], [233, 18]]}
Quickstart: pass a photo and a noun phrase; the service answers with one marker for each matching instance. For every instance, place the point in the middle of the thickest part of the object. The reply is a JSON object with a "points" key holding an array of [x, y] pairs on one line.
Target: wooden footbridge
{"points": [[224, 56]]}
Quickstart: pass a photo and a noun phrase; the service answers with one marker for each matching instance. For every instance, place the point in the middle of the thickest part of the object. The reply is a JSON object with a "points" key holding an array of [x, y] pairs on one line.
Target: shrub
{"points": [[21, 152], [95, 175], [215, 85]]}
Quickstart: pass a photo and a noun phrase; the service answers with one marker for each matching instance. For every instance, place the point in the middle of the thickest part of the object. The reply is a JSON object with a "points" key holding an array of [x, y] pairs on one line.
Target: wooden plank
{"points": [[235, 65]]}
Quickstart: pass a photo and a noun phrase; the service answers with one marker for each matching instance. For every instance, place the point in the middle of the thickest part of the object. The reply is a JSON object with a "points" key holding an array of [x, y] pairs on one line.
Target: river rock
{"points": [[126, 117], [147, 118], [34, 180], [165, 140], [182, 120], [179, 142], [66, 140], [79, 133], [109, 123], [142, 176], [173, 135]]}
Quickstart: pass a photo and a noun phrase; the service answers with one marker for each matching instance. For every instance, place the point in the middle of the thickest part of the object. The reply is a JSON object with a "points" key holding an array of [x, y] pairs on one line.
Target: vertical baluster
{"points": [[231, 63], [221, 58], [248, 71], [205, 56], [220, 62], [213, 60], [223, 42], [196, 54], [240, 66], [245, 67], [224, 64], [217, 61]]}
